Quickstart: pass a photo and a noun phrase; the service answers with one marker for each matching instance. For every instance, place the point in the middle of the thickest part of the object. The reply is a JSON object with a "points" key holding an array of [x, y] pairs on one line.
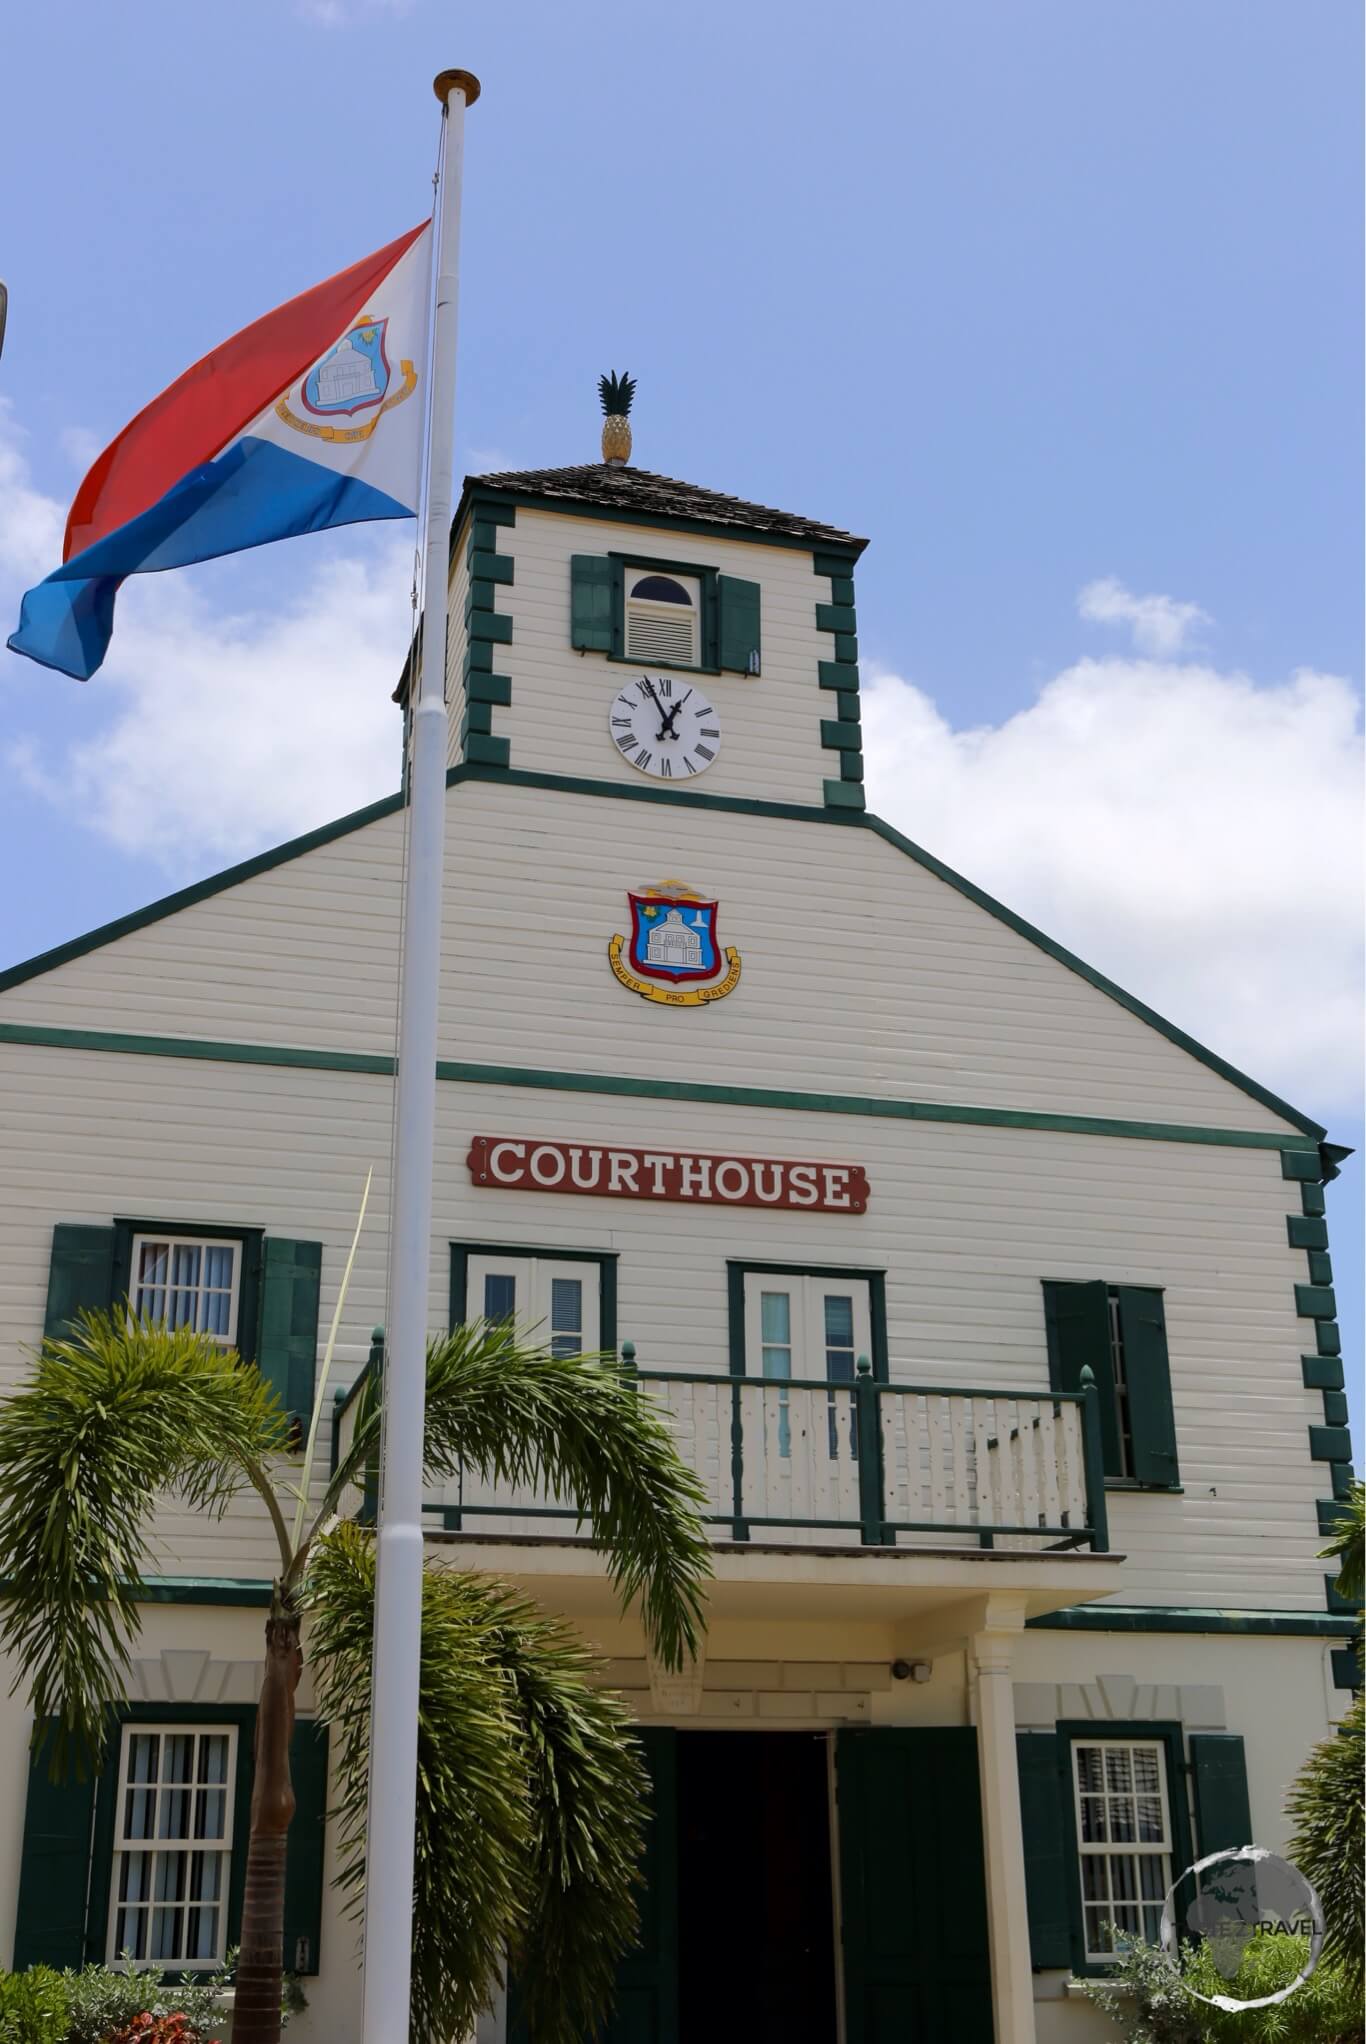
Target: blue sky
{"points": [[1045, 299]]}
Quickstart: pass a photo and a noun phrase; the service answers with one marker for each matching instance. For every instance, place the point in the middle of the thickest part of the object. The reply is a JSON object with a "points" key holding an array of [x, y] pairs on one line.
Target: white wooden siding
{"points": [[862, 972], [965, 1220]]}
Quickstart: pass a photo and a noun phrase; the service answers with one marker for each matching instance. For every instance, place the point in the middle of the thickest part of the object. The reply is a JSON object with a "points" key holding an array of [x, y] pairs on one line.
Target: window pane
{"points": [[566, 1316], [660, 589], [1093, 1830], [775, 1316], [1121, 1817], [1147, 1770], [1089, 1777], [213, 1757], [185, 1260], [500, 1295], [839, 1321], [1152, 1876], [144, 1750], [1150, 1818], [218, 1265]]}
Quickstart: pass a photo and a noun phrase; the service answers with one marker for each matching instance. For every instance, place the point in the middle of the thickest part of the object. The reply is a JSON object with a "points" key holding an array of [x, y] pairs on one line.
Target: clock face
{"points": [[666, 727]]}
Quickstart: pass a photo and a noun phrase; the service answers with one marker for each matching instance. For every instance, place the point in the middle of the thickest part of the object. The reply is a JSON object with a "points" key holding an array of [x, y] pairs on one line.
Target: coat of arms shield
{"points": [[353, 376], [673, 937]]}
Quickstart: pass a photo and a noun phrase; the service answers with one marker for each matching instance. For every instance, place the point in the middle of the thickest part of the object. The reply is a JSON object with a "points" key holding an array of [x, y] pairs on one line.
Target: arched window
{"points": [[662, 618]]}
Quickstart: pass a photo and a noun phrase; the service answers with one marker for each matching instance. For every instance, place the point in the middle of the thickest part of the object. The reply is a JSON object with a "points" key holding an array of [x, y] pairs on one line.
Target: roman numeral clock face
{"points": [[666, 727]]}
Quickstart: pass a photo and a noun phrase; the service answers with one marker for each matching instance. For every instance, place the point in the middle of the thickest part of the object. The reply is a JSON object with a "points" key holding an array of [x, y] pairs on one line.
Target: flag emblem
{"points": [[353, 376]]}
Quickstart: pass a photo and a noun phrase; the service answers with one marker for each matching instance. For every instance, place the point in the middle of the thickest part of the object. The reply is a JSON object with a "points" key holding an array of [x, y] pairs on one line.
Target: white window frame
{"points": [[670, 612], [808, 1291], [172, 1240], [1132, 1849], [534, 1277], [124, 1847]]}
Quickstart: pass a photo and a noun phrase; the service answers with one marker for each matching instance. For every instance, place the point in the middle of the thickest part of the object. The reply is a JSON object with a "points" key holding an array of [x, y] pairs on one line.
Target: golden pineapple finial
{"points": [[616, 393]]}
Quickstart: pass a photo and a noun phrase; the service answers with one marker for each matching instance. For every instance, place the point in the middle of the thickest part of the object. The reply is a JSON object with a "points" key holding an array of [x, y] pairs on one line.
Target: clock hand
{"points": [[667, 728]]}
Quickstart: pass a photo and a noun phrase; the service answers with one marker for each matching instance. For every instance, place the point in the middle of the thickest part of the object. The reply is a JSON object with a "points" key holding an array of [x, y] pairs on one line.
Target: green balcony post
{"points": [[1093, 1459], [866, 1421]]}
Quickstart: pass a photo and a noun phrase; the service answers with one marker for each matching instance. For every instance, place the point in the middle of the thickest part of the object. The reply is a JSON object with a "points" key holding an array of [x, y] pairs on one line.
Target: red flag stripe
{"points": [[204, 409]]}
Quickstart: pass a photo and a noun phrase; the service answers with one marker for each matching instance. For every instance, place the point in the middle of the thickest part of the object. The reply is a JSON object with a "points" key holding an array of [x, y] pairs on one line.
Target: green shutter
{"points": [[80, 1276], [1147, 1374], [304, 1863], [592, 588], [1222, 1816], [287, 1349], [912, 1886], [54, 1869], [1079, 1335], [1042, 1790], [737, 605]]}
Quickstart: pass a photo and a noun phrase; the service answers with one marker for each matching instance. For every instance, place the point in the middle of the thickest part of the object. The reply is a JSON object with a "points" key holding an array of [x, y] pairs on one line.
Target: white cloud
{"points": [[220, 733], [1159, 624], [1193, 835]]}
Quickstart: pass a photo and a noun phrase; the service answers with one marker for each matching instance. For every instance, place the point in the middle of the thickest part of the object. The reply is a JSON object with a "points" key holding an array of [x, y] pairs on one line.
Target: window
{"points": [[663, 618], [557, 1301], [808, 1325], [1124, 1840], [1119, 1332], [664, 614], [173, 1846], [188, 1281]]}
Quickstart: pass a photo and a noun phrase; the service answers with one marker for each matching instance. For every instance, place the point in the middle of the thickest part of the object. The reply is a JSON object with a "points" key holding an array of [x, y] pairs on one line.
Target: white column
{"points": [[388, 1931], [1012, 1983]]}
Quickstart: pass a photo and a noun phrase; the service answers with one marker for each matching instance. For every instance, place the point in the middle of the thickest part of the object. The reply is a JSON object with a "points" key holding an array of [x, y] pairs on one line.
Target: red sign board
{"points": [[525, 1164]]}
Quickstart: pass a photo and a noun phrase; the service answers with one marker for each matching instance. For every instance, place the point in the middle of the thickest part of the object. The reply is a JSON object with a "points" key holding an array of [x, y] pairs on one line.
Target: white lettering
{"points": [[801, 1181], [553, 1157], [740, 1172], [514, 1150], [657, 1166], [770, 1198], [621, 1171], [836, 1186], [694, 1177], [590, 1183]]}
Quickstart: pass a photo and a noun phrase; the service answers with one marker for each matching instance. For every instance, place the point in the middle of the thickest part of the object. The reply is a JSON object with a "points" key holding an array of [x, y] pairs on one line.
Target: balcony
{"points": [[798, 1462]]}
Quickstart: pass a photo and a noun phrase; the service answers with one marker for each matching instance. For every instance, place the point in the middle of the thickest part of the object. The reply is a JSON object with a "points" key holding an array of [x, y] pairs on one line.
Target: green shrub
{"points": [[1152, 2003], [1329, 1841], [33, 2007], [103, 2002]]}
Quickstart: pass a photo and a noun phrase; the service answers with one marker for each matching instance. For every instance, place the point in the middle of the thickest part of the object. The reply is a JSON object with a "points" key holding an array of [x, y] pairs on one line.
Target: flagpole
{"points": [[388, 1934]]}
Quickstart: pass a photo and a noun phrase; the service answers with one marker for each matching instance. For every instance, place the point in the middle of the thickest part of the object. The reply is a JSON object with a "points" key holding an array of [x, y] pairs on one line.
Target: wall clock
{"points": [[665, 726]]}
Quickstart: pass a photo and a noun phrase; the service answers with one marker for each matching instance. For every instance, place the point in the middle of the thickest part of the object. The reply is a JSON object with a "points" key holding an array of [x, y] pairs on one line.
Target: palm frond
{"points": [[1348, 1547], [581, 1426], [1329, 1843], [110, 1418]]}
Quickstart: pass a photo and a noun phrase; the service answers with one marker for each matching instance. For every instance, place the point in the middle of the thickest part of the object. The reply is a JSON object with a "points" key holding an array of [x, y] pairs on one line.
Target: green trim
{"points": [[1303, 1167], [1328, 1337], [1343, 1479], [1191, 1618], [485, 627], [377, 1064], [1315, 1302], [800, 812], [838, 736], [836, 617], [487, 502], [489, 567], [605, 1259], [489, 688], [837, 674], [843, 794], [1330, 1444], [1306, 1231], [1332, 1513], [1313, 1199], [1322, 1373], [483, 750]]}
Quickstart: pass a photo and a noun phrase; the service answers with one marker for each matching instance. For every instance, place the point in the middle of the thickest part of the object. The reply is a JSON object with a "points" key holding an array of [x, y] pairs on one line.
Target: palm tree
{"points": [[530, 1790]]}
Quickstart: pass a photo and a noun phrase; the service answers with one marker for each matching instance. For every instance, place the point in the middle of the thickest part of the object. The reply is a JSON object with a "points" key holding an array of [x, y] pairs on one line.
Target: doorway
{"points": [[756, 1943]]}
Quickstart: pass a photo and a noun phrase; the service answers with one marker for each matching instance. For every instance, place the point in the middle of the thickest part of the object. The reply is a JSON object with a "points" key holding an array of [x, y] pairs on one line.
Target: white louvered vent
{"points": [[656, 631]]}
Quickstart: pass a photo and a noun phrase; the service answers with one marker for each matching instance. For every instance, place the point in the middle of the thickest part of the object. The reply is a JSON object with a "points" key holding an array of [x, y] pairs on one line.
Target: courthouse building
{"points": [[994, 1311]]}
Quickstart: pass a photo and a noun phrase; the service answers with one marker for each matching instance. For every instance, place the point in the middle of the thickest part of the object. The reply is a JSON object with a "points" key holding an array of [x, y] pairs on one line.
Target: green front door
{"points": [[917, 1968], [647, 1980]]}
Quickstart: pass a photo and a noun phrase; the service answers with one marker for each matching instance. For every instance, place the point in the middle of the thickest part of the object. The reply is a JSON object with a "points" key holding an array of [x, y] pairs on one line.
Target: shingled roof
{"points": [[614, 486]]}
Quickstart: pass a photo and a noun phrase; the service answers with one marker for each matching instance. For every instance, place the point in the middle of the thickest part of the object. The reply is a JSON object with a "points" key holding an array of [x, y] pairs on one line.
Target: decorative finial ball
{"points": [[615, 393]]}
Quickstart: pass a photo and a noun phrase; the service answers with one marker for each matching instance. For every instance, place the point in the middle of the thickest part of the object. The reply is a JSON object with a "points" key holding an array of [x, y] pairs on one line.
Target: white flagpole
{"points": [[388, 1933]]}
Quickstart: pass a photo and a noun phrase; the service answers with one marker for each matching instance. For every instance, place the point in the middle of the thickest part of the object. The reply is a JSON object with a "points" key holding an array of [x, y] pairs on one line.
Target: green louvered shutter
{"points": [[80, 1276], [54, 1869], [304, 1863], [737, 605], [592, 605], [287, 1348], [1047, 1868], [1223, 1818], [1147, 1374], [1079, 1334]]}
